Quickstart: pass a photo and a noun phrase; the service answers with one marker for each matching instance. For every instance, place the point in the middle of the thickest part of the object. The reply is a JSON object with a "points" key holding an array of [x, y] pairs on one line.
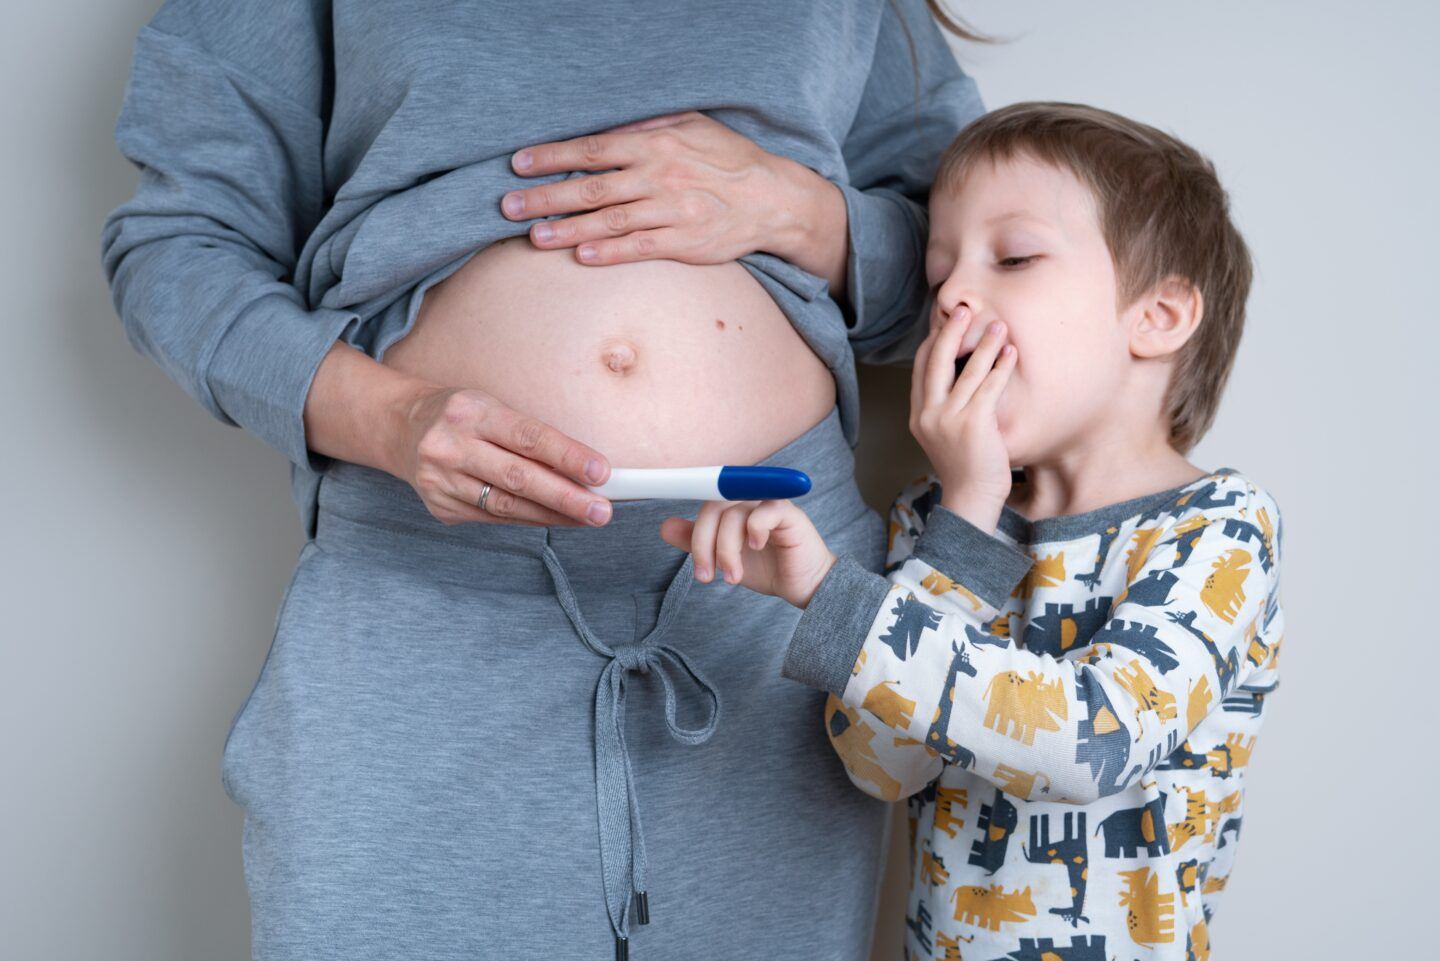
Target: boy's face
{"points": [[1020, 241]]}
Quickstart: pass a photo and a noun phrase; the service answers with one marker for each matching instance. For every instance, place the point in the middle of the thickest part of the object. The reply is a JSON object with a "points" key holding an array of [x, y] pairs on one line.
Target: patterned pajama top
{"points": [[1069, 707]]}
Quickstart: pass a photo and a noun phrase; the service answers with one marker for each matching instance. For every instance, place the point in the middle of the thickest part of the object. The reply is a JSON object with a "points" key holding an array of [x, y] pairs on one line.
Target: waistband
{"points": [[362, 510]]}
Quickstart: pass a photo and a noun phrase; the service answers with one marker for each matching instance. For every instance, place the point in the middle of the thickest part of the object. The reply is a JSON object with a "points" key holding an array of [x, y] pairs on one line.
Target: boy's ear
{"points": [[1166, 317]]}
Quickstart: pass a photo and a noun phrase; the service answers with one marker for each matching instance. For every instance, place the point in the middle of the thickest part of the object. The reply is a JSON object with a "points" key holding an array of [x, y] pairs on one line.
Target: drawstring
{"points": [[622, 843]]}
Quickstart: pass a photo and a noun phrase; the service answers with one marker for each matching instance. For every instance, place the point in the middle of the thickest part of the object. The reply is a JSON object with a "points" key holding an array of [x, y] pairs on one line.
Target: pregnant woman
{"points": [[493, 723]]}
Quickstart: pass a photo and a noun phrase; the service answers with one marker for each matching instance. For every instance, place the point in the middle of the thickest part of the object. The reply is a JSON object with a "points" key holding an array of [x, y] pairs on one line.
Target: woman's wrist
{"points": [[808, 226], [358, 409]]}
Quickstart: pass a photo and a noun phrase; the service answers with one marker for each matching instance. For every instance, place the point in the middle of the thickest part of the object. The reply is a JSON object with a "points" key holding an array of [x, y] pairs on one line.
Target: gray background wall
{"points": [[146, 548]]}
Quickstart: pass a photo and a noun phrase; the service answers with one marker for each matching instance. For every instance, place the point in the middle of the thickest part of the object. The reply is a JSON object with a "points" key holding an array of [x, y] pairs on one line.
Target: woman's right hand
{"points": [[454, 440]]}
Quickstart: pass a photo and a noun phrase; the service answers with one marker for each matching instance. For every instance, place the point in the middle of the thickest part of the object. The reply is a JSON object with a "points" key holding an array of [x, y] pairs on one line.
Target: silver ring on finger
{"points": [[484, 493]]}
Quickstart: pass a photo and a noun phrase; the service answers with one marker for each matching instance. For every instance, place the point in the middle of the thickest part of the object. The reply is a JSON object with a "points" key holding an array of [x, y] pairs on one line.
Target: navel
{"points": [[619, 357]]}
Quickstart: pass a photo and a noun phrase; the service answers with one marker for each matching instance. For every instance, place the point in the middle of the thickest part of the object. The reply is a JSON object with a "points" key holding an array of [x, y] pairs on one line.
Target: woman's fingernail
{"points": [[599, 512], [587, 252], [593, 470], [544, 233], [995, 326], [523, 160], [514, 204], [702, 573]]}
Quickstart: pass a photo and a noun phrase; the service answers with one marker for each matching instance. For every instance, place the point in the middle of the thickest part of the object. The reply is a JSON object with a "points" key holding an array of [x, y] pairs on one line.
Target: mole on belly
{"points": [[619, 357]]}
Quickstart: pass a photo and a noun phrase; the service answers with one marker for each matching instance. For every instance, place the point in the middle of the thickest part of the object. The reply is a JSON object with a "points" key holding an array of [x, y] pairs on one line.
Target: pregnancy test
{"points": [[704, 483]]}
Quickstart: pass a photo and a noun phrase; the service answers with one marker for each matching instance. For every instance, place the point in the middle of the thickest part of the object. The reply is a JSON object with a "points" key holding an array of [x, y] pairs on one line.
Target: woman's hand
{"points": [[771, 546], [454, 440], [954, 418], [683, 187]]}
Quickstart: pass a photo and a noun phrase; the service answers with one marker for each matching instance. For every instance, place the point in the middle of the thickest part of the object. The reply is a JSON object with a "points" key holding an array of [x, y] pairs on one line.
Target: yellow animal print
{"points": [[855, 751], [1224, 590], [859, 662], [946, 801], [1267, 530], [993, 906], [890, 706], [1257, 651], [1275, 653], [1201, 817], [1098, 650], [951, 945], [1199, 948], [1142, 542], [1235, 754], [1149, 914], [1016, 782], [1019, 706], [1215, 882], [931, 870], [1188, 880], [914, 742], [1045, 572], [1199, 703], [937, 584], [1148, 697]]}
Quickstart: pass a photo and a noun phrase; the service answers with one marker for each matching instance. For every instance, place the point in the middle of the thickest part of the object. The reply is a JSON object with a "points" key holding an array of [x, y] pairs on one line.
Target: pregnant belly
{"points": [[654, 364]]}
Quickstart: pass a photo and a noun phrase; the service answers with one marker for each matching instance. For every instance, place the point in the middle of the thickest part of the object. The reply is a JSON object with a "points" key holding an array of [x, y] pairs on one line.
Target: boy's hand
{"points": [[771, 546], [954, 418]]}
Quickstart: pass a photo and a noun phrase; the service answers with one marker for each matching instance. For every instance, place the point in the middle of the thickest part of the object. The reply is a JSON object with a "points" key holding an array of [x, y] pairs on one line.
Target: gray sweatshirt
{"points": [[308, 168]]}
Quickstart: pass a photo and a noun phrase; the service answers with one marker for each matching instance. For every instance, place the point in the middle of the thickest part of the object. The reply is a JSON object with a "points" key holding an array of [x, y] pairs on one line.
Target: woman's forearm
{"points": [[356, 408], [811, 229]]}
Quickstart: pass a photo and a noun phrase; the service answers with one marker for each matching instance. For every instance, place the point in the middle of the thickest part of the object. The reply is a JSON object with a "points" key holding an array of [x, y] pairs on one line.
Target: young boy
{"points": [[1063, 672]]}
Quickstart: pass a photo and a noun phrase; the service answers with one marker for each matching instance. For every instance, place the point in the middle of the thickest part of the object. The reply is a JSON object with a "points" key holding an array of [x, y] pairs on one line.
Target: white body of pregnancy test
{"points": [[722, 482]]}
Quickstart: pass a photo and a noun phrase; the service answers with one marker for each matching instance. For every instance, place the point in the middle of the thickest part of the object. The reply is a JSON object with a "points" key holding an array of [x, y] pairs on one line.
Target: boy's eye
{"points": [[1015, 261]]}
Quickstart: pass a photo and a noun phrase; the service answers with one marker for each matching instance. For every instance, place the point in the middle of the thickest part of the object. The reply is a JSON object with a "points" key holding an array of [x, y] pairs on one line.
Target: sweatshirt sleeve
{"points": [[222, 116], [908, 114], [931, 659]]}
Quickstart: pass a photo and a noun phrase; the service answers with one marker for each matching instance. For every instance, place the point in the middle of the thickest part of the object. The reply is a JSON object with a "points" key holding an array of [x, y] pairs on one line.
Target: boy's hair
{"points": [[1162, 212]]}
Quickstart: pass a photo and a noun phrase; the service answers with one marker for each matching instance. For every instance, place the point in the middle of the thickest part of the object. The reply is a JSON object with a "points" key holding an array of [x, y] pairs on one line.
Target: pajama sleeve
{"points": [[908, 114], [222, 116], [881, 761], [926, 654]]}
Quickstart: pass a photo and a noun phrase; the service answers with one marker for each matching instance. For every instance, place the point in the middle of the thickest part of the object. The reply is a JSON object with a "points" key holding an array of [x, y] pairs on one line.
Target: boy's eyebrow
{"points": [[1017, 215]]}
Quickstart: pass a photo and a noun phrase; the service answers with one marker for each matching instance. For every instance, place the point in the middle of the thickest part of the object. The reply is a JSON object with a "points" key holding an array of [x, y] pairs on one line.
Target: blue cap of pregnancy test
{"points": [[762, 483]]}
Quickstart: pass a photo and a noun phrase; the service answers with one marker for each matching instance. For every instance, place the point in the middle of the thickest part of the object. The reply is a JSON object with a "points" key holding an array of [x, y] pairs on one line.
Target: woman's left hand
{"points": [[682, 187]]}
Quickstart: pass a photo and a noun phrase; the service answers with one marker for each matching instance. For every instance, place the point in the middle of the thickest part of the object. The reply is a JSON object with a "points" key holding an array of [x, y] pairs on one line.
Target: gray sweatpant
{"points": [[483, 741]]}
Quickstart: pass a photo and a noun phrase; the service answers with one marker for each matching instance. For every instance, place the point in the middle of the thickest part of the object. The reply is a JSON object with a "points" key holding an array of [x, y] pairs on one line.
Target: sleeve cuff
{"points": [[885, 274], [261, 371], [987, 566], [832, 629]]}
